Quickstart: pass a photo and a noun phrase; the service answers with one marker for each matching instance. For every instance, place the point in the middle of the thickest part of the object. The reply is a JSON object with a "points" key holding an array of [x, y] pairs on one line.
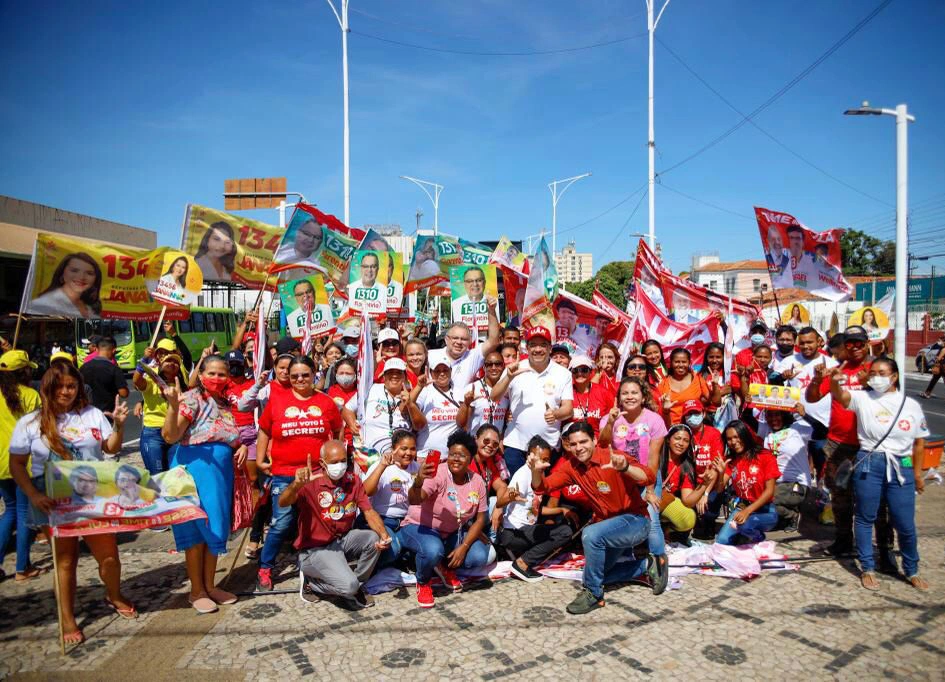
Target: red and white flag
{"points": [[260, 341], [365, 363], [653, 323]]}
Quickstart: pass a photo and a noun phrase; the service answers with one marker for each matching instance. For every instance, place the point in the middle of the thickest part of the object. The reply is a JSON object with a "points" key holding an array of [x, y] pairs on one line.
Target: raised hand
{"points": [[386, 460], [304, 474], [120, 412], [148, 353], [618, 462], [614, 413], [469, 397], [535, 463], [550, 417], [820, 371], [172, 394]]}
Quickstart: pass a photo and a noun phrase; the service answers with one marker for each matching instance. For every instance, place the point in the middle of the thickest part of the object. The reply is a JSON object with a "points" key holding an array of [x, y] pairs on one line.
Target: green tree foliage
{"points": [[612, 280], [864, 254]]}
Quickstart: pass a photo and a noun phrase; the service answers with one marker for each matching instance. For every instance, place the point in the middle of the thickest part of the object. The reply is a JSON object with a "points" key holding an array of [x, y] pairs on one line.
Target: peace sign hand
{"points": [[535, 463]]}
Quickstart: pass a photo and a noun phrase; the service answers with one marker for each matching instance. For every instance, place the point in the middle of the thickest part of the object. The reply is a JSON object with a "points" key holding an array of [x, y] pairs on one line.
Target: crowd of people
{"points": [[506, 447]]}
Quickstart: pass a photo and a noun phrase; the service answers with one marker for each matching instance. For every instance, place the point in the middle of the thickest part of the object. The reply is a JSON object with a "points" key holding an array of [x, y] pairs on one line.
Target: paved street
{"points": [[816, 622]]}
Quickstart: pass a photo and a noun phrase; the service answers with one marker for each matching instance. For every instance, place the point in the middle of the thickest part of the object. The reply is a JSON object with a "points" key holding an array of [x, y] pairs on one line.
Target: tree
{"points": [[611, 280], [864, 254]]}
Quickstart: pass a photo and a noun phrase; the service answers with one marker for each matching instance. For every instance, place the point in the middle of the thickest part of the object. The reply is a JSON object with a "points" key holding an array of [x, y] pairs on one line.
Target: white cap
{"points": [[388, 334], [394, 363], [350, 333], [581, 361], [438, 360]]}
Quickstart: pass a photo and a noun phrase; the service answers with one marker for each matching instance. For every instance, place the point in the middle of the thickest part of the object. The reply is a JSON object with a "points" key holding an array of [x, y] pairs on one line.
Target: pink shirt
{"points": [[448, 506], [634, 439]]}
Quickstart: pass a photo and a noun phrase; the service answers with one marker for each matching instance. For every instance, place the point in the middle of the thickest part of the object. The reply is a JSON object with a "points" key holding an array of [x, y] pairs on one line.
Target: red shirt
{"points": [[675, 482], [606, 382], [489, 471], [341, 396], [592, 406], [749, 476], [573, 493], [609, 492], [233, 392], [842, 428], [706, 446], [298, 428], [327, 509]]}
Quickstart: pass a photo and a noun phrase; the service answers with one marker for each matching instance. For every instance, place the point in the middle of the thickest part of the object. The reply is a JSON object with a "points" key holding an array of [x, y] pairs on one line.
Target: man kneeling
{"points": [[327, 500], [612, 483]]}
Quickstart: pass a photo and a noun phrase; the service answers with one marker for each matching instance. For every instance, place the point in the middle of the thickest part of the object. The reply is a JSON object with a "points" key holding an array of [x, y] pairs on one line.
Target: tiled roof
{"points": [[736, 265]]}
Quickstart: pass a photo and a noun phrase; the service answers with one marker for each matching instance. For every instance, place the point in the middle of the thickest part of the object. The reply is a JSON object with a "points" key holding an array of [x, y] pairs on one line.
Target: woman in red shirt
{"points": [[344, 386], [591, 401], [681, 490], [652, 351], [296, 423], [753, 472], [606, 374]]}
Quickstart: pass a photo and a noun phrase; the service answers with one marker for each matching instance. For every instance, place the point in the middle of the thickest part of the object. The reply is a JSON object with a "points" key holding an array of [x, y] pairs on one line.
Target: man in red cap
{"points": [[706, 447], [540, 398]]}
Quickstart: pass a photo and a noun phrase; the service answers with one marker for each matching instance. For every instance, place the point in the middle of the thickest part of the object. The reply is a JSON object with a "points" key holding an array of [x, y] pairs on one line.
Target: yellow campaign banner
{"points": [[770, 397], [229, 248], [79, 278], [173, 278]]}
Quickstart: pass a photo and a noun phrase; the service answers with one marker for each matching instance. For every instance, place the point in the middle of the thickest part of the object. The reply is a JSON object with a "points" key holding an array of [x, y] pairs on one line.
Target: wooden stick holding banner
{"points": [[16, 331], [157, 327], [57, 590]]}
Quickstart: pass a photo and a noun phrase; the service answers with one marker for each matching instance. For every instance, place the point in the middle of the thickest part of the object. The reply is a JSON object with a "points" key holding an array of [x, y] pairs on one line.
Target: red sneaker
{"points": [[264, 580], [425, 598], [449, 578]]}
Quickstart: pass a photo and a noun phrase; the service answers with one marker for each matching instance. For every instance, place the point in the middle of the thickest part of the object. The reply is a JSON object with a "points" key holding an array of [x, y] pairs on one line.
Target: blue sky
{"points": [[128, 111]]}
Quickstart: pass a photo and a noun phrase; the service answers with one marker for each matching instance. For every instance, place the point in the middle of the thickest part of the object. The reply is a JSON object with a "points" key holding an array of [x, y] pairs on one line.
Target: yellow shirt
{"points": [[30, 402], [155, 406]]}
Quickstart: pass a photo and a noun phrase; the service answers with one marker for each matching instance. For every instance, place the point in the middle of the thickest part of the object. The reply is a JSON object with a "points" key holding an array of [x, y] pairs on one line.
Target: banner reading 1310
{"points": [[80, 278], [229, 248]]}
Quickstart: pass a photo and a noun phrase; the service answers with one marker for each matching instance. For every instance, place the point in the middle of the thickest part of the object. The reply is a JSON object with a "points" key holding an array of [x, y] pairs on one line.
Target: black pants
{"points": [[789, 500], [534, 543], [935, 378]]}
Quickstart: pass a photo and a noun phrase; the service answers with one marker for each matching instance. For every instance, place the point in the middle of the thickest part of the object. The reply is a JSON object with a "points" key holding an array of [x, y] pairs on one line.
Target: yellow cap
{"points": [[167, 344], [13, 360], [62, 355]]}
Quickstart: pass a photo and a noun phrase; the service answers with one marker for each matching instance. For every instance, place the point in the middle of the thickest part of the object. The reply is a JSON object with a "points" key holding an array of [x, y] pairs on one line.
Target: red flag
{"points": [[653, 323], [617, 329], [260, 351]]}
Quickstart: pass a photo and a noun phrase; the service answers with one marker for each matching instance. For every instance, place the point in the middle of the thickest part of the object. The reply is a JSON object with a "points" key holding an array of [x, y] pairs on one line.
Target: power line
{"points": [[765, 132], [601, 215], [627, 221], [784, 90], [522, 53], [707, 203]]}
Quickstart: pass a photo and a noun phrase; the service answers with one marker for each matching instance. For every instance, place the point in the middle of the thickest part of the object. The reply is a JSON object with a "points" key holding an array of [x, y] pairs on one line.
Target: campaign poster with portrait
{"points": [[301, 245], [433, 256], [173, 278], [395, 282], [873, 319], [474, 253], [229, 248], [509, 256], [367, 286], [306, 307], [93, 498], [579, 324], [78, 278], [470, 288], [795, 315], [801, 258], [770, 397]]}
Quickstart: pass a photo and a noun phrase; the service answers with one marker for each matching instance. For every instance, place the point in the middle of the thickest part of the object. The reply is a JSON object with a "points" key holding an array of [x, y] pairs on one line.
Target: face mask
{"points": [[695, 420], [786, 348], [345, 380], [214, 384], [879, 384], [351, 350], [757, 339], [336, 470]]}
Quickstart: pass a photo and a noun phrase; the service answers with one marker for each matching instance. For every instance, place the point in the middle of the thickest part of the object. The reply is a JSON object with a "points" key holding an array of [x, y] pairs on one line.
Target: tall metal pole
{"points": [[902, 235], [342, 18], [553, 186], [651, 24], [434, 198]]}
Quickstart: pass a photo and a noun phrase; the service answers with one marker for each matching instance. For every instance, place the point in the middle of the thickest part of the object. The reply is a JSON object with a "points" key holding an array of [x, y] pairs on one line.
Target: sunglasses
{"points": [[494, 364], [390, 342], [636, 366], [854, 344], [300, 377], [581, 370]]}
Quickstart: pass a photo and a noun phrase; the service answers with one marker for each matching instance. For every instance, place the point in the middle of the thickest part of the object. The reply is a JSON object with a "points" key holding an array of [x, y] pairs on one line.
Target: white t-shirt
{"points": [[473, 313], [465, 369], [874, 415], [370, 298], [789, 446], [382, 416], [518, 514], [805, 374], [395, 294], [82, 433], [530, 395], [482, 410], [440, 408], [391, 496]]}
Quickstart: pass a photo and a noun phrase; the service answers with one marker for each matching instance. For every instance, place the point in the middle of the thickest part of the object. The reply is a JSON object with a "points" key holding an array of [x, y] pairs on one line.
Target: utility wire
{"points": [[521, 53], [707, 203], [612, 208], [626, 222]]}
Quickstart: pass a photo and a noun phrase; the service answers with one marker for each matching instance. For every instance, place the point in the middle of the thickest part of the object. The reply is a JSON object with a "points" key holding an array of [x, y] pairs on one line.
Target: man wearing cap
{"points": [[540, 398], [757, 334], [561, 355], [93, 347], [105, 377], [388, 407], [842, 441], [706, 448], [465, 362]]}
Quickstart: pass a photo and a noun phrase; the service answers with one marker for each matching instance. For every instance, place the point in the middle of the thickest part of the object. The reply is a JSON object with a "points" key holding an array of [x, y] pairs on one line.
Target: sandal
{"points": [[73, 638], [203, 605], [30, 573], [222, 596], [869, 581], [252, 552], [918, 582], [127, 614]]}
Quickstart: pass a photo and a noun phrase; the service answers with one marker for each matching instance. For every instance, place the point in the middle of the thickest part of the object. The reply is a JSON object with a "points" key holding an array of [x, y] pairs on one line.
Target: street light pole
{"points": [[342, 18], [651, 24], [434, 198], [553, 186], [903, 118]]}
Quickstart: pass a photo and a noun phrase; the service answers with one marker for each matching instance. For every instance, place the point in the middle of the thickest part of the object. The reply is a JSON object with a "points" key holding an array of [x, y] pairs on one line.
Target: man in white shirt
{"points": [[798, 370], [465, 362], [367, 293], [787, 440], [540, 398], [471, 308]]}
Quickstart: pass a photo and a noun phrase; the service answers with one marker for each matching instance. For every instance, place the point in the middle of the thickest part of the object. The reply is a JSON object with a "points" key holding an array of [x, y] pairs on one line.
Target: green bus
{"points": [[203, 326]]}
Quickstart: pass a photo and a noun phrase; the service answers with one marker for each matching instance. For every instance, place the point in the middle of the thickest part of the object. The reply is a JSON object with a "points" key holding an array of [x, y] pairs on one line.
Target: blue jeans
{"points": [[754, 527], [655, 540], [606, 543], [154, 450], [280, 525], [430, 549], [392, 553], [716, 502], [16, 515], [514, 459], [871, 487]]}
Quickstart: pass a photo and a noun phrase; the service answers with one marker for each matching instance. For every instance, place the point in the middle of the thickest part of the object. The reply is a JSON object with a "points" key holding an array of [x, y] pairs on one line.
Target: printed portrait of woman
{"points": [[217, 252], [74, 290], [176, 275]]}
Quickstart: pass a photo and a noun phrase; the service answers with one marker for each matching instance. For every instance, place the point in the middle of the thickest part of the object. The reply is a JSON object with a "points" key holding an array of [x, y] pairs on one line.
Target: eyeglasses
{"points": [[478, 280], [494, 364], [86, 480], [300, 377], [457, 455], [854, 344], [492, 443], [581, 370], [464, 339], [636, 366]]}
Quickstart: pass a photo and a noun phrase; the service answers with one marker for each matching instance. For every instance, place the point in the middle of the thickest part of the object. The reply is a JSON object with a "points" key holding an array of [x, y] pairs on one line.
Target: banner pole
{"points": [[157, 328], [16, 332], [777, 306], [57, 591]]}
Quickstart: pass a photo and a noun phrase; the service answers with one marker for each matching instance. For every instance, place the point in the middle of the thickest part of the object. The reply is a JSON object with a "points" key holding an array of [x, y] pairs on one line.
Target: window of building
{"points": [[756, 285]]}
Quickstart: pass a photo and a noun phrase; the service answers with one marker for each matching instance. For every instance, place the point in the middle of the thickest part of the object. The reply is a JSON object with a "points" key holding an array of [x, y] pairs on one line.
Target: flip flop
{"points": [[222, 596], [30, 573], [869, 581], [127, 614], [204, 605], [73, 638], [918, 582]]}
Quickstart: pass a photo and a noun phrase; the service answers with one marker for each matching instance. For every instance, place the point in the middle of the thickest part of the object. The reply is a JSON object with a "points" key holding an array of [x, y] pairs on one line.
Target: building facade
{"points": [[747, 279], [573, 266]]}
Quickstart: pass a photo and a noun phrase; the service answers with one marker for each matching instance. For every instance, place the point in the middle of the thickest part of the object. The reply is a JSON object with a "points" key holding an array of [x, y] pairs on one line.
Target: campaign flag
{"points": [[79, 278], [514, 284], [541, 290], [367, 287], [229, 248], [620, 324], [173, 278], [653, 323], [801, 258], [873, 319], [365, 364], [507, 255], [433, 256], [648, 271], [260, 347], [330, 253], [94, 498], [471, 287], [395, 284], [579, 324], [305, 303], [474, 253]]}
